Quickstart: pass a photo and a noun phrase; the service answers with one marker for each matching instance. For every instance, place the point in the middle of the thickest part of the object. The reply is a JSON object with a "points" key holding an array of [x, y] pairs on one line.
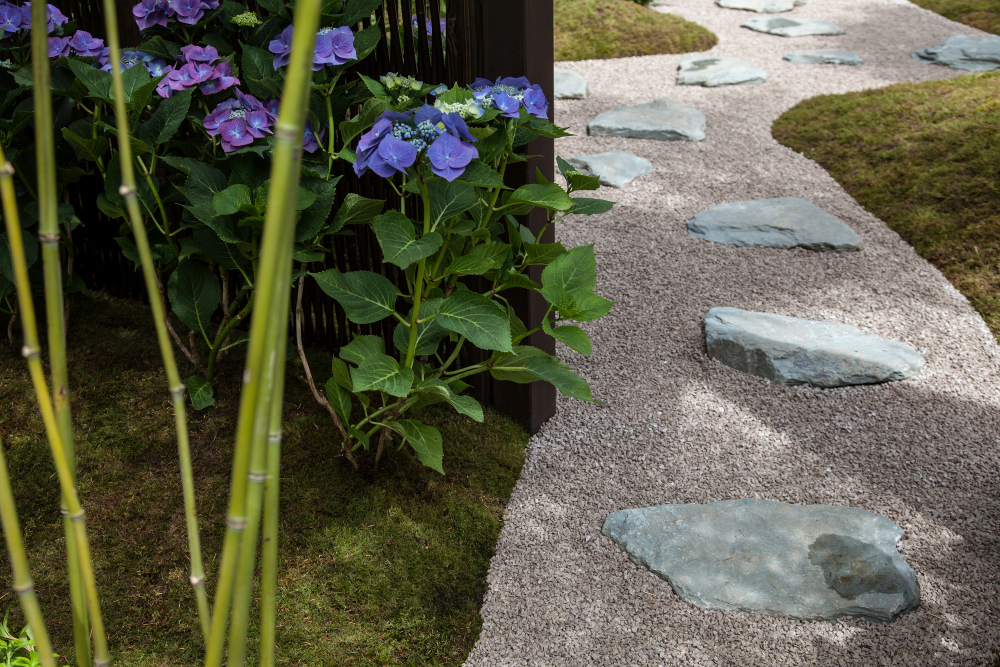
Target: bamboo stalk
{"points": [[176, 386], [32, 353], [23, 585], [48, 230], [272, 299], [269, 549]]}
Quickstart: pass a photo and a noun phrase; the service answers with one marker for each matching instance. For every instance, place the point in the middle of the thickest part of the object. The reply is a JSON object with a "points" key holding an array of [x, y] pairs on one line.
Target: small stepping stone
{"points": [[824, 57], [762, 6], [569, 85], [615, 168], [718, 71], [660, 120], [790, 351], [973, 54], [809, 562], [782, 222], [792, 27]]}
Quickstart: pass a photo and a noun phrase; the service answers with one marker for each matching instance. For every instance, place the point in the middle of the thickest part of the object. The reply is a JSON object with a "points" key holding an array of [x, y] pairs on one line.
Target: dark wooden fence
{"points": [[488, 38]]}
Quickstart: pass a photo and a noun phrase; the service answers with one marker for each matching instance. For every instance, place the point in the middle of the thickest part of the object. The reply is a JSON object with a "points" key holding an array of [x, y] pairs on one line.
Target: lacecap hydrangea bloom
{"points": [[199, 68], [14, 18], [238, 122], [398, 139], [334, 46], [508, 94], [154, 64]]}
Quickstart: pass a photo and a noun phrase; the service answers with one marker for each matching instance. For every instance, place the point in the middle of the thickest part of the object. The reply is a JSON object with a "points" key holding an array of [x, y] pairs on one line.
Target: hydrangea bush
{"points": [[461, 250]]}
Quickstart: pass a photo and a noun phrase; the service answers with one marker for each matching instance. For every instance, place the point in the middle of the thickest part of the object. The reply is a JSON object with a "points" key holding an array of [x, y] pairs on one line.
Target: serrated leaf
{"points": [[194, 295], [482, 258], [366, 40], [366, 297], [316, 214], [356, 210], [382, 372], [564, 167], [201, 392], [355, 10], [580, 181], [342, 374], [466, 405], [97, 82], [232, 199], [86, 149], [528, 364], [129, 249], [429, 334], [256, 67], [398, 238], [133, 79], [339, 399], [572, 337], [360, 349], [542, 253], [477, 318], [480, 174], [425, 441], [449, 199], [165, 121], [589, 206], [549, 196], [573, 272]]}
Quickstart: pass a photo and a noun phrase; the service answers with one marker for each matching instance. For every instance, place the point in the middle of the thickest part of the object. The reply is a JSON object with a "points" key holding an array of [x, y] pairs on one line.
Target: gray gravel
{"points": [[680, 428]]}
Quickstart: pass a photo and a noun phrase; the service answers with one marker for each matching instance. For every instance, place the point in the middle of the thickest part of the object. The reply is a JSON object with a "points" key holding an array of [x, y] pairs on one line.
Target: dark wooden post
{"points": [[517, 40]]}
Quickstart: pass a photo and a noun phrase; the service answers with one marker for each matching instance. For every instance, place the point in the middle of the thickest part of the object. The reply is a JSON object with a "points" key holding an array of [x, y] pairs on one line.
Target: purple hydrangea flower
{"points": [[188, 11], [221, 113], [450, 156], [535, 102], [272, 108], [199, 54], [85, 44], [238, 122], [220, 80], [10, 19], [258, 124], [334, 46], [152, 12], [393, 155], [509, 93], [154, 65], [58, 47], [163, 88], [429, 27], [281, 47], [53, 17], [455, 126], [234, 134], [310, 139], [372, 138], [129, 60]]}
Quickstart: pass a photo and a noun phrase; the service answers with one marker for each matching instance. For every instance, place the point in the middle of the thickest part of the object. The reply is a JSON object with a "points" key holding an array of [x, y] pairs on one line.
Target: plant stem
{"points": [[23, 585], [32, 353], [128, 191], [220, 336], [418, 282]]}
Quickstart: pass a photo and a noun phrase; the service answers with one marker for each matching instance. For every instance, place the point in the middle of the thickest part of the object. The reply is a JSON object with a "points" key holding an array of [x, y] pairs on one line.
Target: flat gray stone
{"points": [[824, 57], [792, 27], [790, 351], [974, 54], [661, 120], [616, 168], [761, 6], [810, 562], [717, 71], [782, 222], [569, 85]]}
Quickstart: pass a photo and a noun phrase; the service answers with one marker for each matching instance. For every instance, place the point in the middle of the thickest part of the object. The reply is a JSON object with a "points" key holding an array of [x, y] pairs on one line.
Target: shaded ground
{"points": [[925, 158], [586, 29], [375, 569]]}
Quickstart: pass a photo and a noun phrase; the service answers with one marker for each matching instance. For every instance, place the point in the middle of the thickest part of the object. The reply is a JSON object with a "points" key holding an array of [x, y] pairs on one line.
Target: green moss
{"points": [[982, 14], [586, 29], [925, 158], [385, 568]]}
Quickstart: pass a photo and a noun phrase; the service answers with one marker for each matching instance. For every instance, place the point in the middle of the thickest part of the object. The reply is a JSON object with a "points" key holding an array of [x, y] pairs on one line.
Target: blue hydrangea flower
{"points": [[10, 19], [58, 47], [281, 47], [508, 94], [334, 46], [53, 17], [85, 44], [188, 11], [152, 12], [310, 139], [394, 155], [450, 156]]}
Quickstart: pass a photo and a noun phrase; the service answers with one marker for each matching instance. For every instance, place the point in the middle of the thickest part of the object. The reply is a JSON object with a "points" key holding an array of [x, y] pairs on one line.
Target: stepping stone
{"points": [[615, 168], [792, 27], [661, 120], [809, 562], [762, 6], [718, 71], [974, 54], [790, 351], [783, 222], [824, 57], [569, 85]]}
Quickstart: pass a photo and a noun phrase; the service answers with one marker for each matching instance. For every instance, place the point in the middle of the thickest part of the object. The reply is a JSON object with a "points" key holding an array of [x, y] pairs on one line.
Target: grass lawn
{"points": [[924, 157], [982, 14], [586, 29], [375, 569]]}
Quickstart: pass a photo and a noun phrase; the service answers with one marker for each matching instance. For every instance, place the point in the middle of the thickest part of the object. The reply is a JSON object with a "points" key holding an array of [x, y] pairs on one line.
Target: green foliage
{"points": [[922, 157], [982, 14]]}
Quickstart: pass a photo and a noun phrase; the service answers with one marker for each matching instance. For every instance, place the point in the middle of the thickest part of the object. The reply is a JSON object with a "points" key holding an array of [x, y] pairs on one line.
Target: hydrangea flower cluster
{"points": [[199, 69], [14, 18], [246, 20], [393, 82], [508, 94], [154, 64], [158, 12], [334, 46], [398, 139], [237, 122]]}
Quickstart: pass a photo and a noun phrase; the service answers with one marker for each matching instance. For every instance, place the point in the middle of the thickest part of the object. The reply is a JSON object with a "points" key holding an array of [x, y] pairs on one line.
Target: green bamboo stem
{"points": [[269, 548], [48, 230], [23, 585], [274, 271], [128, 191], [32, 353]]}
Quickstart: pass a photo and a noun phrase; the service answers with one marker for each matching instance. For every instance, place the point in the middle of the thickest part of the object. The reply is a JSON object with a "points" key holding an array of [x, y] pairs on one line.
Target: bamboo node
{"points": [[246, 376], [30, 352], [26, 588], [49, 238], [257, 476], [79, 516], [7, 169], [274, 438], [125, 190], [236, 524], [287, 133], [101, 663], [177, 391], [197, 581]]}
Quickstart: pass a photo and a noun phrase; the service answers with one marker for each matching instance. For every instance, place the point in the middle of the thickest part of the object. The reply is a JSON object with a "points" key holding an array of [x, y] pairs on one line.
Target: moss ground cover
{"points": [[586, 29], [925, 158], [982, 14], [385, 568]]}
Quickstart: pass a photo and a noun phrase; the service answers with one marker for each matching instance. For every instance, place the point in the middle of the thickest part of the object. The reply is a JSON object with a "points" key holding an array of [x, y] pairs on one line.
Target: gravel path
{"points": [[678, 427]]}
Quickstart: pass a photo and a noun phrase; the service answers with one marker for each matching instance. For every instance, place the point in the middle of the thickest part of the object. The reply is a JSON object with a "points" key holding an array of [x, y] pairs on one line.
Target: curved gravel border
{"points": [[678, 427]]}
